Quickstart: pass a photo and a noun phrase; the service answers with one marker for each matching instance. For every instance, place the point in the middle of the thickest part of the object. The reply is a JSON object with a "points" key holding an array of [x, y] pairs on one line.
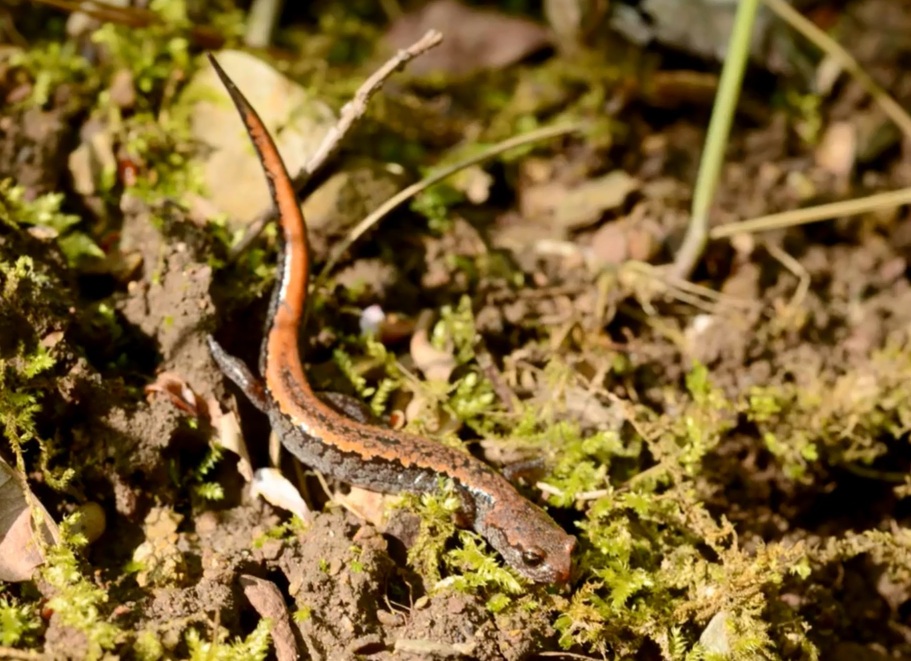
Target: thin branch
{"points": [[356, 107], [797, 269], [202, 35], [834, 50], [14, 653], [814, 214], [350, 113]]}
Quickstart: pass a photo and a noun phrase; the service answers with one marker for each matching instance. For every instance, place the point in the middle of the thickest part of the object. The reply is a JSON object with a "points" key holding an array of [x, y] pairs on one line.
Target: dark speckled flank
{"points": [[329, 433]]}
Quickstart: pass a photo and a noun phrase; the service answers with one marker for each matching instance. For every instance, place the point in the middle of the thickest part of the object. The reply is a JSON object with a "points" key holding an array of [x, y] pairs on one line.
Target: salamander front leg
{"points": [[240, 374], [531, 470], [350, 406]]}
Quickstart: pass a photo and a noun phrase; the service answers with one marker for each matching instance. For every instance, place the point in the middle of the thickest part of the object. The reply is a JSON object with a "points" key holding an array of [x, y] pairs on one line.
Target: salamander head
{"points": [[529, 541]]}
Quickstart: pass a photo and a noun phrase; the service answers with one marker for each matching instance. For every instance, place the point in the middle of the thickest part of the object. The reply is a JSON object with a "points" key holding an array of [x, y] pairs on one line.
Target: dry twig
{"points": [[350, 113]]}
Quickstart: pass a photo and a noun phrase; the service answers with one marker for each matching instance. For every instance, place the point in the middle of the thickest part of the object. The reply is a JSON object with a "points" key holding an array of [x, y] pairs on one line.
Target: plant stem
{"points": [[716, 140]]}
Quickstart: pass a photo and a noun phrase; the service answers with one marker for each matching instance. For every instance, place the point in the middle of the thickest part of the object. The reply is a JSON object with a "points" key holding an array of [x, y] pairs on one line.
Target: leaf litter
{"points": [[732, 450]]}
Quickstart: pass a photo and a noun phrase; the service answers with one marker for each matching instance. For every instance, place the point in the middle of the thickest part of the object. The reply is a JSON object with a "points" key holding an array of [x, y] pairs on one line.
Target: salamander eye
{"points": [[533, 557]]}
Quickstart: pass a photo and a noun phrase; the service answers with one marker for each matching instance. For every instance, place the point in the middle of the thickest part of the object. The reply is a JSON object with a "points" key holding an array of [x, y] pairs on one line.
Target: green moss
{"points": [[472, 567], [354, 563], [892, 551], [44, 213], [435, 202], [148, 647], [807, 114], [378, 357], [254, 647], [19, 623], [162, 145], [202, 488], [653, 563], [51, 65], [290, 529], [151, 54], [849, 416], [437, 528], [21, 374], [77, 601]]}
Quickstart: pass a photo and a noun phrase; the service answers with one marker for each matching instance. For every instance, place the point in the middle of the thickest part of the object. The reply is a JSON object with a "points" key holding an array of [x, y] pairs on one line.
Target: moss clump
{"points": [[22, 373], [850, 416], [19, 623], [45, 215], [254, 647], [76, 600], [377, 358], [437, 512], [50, 66]]}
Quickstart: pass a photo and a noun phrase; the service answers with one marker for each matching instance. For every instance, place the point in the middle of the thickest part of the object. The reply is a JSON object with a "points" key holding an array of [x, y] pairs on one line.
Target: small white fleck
{"points": [[371, 318], [702, 322], [275, 489]]}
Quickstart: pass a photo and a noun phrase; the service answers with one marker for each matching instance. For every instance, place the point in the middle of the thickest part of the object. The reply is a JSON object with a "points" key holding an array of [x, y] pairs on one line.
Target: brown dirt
{"points": [[360, 599]]}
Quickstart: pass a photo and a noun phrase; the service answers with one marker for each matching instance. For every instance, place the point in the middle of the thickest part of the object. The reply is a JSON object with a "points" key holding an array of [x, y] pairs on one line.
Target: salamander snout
{"points": [[529, 540], [549, 565]]}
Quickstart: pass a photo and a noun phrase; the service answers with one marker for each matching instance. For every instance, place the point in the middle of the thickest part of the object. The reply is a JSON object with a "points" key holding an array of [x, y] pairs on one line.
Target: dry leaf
{"points": [[20, 543], [296, 118], [585, 204], [178, 391], [473, 39], [371, 506], [277, 490], [268, 601], [437, 365], [229, 436], [225, 424]]}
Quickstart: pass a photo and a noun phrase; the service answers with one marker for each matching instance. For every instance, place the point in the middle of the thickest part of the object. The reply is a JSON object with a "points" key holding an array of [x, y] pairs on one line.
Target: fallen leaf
{"points": [[267, 600], [837, 151], [371, 506], [229, 436], [277, 490], [297, 120], [436, 364], [224, 423], [473, 39], [180, 393], [20, 543], [585, 204]]}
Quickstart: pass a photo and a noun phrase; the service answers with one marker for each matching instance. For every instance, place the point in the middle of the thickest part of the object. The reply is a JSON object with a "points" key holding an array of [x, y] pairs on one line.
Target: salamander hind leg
{"points": [[240, 374], [467, 513]]}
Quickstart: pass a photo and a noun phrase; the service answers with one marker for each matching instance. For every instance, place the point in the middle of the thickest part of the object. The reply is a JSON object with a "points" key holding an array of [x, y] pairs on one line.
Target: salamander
{"points": [[330, 436]]}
